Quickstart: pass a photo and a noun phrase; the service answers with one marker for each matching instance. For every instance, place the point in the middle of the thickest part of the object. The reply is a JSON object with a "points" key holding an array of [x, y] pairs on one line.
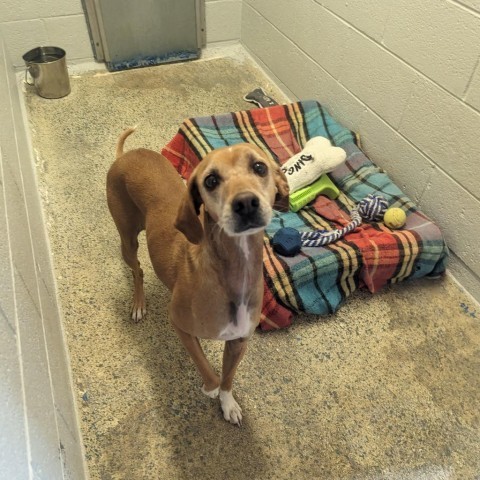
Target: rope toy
{"points": [[321, 238], [372, 207], [288, 241]]}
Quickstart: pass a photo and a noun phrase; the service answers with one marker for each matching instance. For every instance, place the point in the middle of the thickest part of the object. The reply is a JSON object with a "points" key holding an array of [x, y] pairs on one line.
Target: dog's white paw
{"points": [[138, 313], [231, 409], [212, 393]]}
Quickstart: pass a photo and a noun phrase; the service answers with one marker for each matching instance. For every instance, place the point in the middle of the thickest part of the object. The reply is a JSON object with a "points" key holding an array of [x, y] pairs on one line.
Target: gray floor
{"points": [[386, 388]]}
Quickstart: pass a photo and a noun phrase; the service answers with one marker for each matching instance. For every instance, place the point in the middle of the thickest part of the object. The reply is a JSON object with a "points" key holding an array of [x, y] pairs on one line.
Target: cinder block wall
{"points": [[405, 74], [62, 23], [30, 24]]}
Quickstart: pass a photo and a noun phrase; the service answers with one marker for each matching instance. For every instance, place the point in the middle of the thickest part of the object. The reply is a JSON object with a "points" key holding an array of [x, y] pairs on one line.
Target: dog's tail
{"points": [[121, 140]]}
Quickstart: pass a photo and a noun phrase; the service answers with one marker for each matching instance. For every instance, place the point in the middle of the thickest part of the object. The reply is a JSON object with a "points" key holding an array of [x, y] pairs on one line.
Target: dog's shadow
{"points": [[169, 428]]}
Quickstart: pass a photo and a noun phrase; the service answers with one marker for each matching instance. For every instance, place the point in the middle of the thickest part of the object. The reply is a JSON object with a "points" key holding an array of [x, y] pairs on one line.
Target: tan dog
{"points": [[205, 243]]}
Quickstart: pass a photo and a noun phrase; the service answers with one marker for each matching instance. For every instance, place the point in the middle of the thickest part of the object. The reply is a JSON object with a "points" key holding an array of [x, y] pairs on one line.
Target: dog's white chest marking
{"points": [[245, 247], [239, 325], [240, 319]]}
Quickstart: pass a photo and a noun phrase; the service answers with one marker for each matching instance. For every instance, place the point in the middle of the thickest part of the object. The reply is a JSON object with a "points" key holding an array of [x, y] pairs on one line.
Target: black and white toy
{"points": [[260, 98]]}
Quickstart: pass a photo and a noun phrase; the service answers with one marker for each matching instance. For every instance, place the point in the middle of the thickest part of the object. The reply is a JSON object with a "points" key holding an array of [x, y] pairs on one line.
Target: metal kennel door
{"points": [[135, 33]]}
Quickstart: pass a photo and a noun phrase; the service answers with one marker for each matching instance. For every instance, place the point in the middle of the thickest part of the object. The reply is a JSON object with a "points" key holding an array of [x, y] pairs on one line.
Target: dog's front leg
{"points": [[232, 355], [193, 347]]}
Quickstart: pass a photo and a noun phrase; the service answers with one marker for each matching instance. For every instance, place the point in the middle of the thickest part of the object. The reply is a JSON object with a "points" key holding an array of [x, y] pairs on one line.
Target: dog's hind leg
{"points": [[128, 219], [129, 253]]}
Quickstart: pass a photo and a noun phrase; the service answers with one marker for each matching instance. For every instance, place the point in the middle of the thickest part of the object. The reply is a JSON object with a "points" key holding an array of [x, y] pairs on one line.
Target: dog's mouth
{"points": [[249, 227], [236, 225]]}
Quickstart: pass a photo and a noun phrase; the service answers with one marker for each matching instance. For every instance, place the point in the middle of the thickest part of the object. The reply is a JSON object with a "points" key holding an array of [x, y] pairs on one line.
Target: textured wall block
{"points": [[71, 34], [223, 19], [21, 246], [369, 16], [475, 4], [439, 38], [456, 211], [46, 462], [473, 94], [20, 37], [378, 78], [466, 278], [446, 130], [299, 73], [7, 306], [312, 28], [13, 442], [407, 167], [12, 10]]}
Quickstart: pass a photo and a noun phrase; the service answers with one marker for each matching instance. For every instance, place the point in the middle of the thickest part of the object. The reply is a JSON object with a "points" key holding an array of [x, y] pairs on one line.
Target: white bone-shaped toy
{"points": [[317, 157]]}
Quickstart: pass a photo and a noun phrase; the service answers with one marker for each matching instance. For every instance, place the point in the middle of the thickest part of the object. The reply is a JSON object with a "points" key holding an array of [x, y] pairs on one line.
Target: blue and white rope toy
{"points": [[321, 238], [288, 241], [372, 207]]}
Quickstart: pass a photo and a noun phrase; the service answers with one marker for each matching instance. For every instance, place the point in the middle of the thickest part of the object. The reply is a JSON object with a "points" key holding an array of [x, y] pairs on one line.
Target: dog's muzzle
{"points": [[247, 211]]}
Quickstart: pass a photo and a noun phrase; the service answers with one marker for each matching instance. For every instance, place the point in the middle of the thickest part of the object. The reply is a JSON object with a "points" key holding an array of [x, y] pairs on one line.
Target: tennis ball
{"points": [[394, 218]]}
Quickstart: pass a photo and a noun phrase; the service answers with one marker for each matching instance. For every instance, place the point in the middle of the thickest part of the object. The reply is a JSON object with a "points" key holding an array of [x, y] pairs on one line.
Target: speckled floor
{"points": [[388, 388]]}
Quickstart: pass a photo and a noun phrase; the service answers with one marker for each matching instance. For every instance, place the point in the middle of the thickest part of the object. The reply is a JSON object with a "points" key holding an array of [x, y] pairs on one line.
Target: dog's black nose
{"points": [[245, 205]]}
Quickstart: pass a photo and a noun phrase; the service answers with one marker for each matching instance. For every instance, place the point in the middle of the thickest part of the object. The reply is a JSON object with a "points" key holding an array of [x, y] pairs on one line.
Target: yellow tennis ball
{"points": [[394, 218]]}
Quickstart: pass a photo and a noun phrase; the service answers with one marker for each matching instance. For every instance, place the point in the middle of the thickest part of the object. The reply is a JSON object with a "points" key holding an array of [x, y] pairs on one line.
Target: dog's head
{"points": [[238, 186]]}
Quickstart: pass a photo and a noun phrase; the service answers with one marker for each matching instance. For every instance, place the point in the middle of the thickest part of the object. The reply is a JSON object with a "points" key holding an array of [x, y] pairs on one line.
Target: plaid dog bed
{"points": [[319, 279]]}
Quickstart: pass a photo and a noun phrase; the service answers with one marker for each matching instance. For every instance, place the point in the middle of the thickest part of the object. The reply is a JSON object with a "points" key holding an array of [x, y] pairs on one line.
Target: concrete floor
{"points": [[388, 388]]}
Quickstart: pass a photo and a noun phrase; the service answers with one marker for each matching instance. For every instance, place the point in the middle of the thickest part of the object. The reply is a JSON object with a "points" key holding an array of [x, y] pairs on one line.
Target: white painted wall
{"points": [[405, 74], [62, 23], [39, 433]]}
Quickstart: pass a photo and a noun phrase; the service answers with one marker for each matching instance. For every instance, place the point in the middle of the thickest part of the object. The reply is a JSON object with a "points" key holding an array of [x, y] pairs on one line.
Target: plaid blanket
{"points": [[319, 279]]}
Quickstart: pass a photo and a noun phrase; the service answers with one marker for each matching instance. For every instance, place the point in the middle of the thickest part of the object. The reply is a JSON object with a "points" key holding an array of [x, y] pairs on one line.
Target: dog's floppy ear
{"points": [[281, 198], [187, 220]]}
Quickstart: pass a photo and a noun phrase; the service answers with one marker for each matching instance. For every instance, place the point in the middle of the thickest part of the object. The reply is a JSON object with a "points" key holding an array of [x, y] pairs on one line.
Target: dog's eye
{"points": [[211, 181], [260, 168]]}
